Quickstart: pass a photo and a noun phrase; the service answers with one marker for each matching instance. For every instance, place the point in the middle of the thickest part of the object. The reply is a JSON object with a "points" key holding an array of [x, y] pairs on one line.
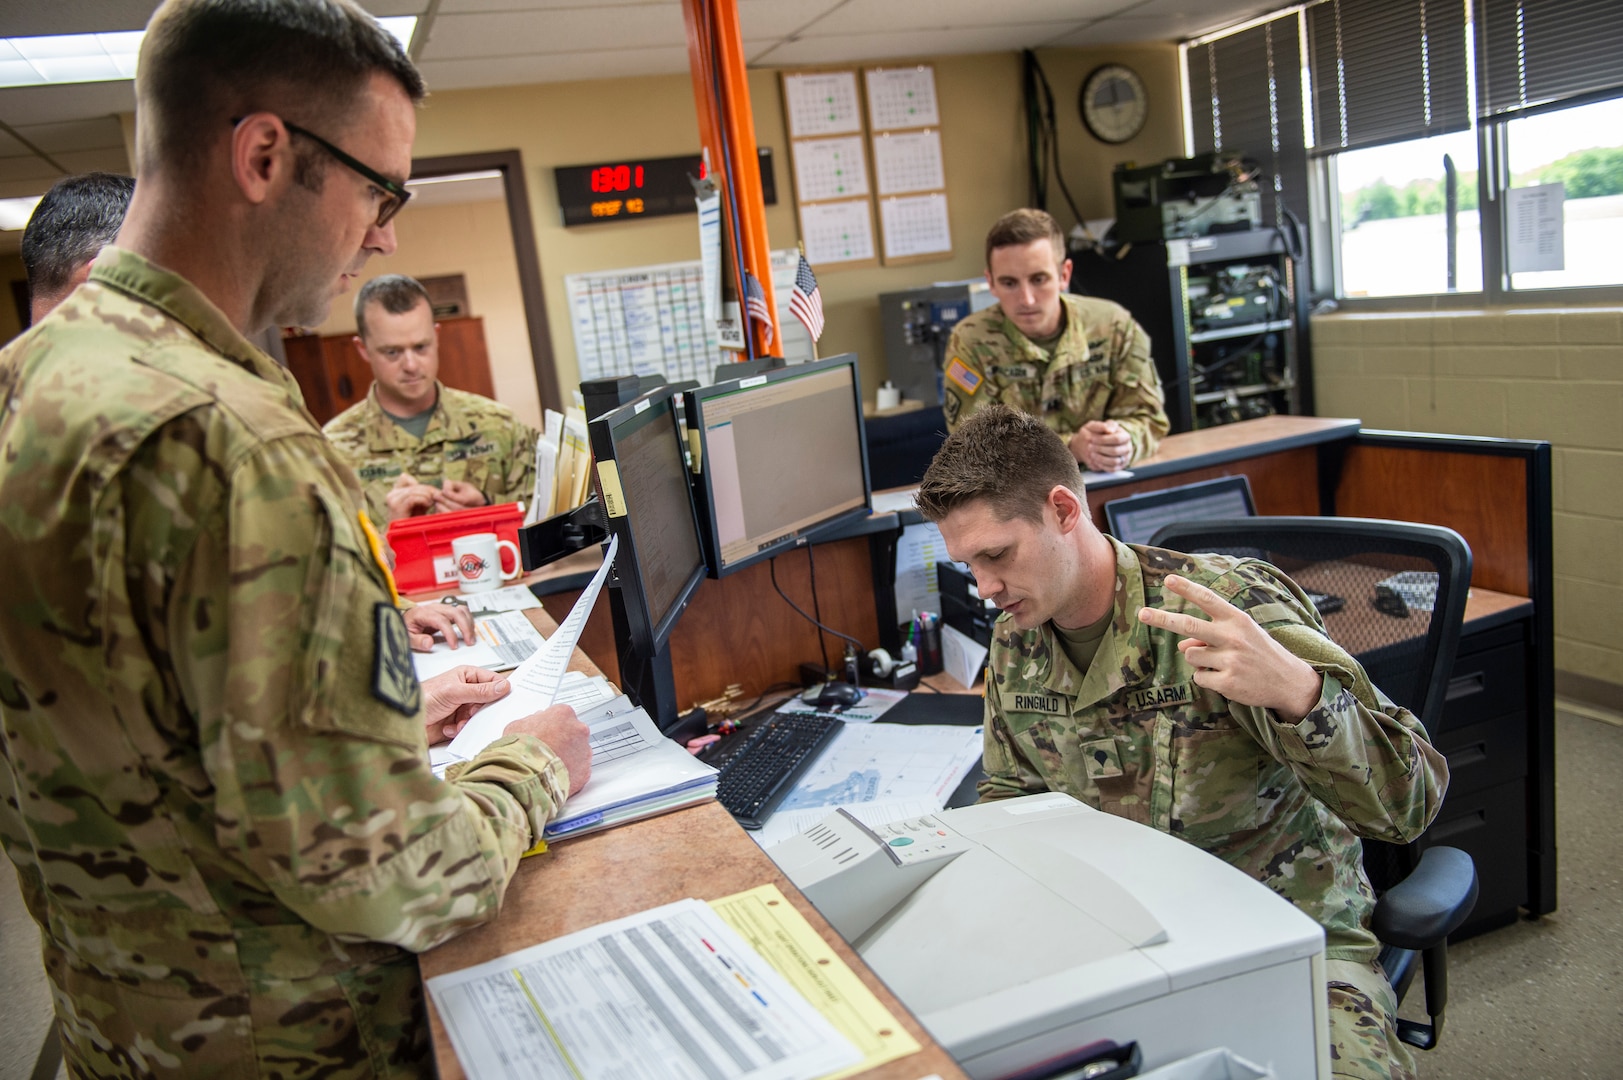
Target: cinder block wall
{"points": [[1544, 373]]}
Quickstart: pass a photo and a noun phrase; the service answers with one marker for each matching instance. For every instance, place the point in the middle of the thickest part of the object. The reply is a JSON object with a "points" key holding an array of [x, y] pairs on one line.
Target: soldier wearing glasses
{"points": [[214, 782]]}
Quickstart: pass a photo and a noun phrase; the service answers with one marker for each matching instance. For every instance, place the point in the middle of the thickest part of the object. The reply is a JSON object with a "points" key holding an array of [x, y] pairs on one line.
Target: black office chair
{"points": [[1392, 593]]}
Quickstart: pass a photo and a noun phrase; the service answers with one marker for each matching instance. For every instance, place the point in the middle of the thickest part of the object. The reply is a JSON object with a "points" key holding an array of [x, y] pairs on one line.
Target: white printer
{"points": [[1021, 929]]}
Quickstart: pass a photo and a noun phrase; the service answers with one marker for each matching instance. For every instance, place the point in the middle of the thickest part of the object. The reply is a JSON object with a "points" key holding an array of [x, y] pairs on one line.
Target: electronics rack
{"points": [[1227, 319]]}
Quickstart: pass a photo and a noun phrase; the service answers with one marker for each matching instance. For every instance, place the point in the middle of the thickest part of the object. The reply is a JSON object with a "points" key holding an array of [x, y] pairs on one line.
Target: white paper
{"points": [[829, 168], [642, 321], [917, 551], [895, 502], [710, 253], [506, 598], [962, 656], [876, 702], [908, 161], [701, 1001], [501, 640], [822, 103], [837, 232], [1534, 227], [632, 765], [878, 762], [902, 97], [535, 683], [784, 824], [915, 225]]}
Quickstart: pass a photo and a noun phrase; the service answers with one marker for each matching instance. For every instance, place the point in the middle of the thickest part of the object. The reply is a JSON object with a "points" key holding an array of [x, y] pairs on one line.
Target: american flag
{"points": [[755, 304], [806, 302]]}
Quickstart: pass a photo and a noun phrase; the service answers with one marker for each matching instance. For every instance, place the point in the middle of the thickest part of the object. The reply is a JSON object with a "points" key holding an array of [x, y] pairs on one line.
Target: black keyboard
{"points": [[759, 766]]}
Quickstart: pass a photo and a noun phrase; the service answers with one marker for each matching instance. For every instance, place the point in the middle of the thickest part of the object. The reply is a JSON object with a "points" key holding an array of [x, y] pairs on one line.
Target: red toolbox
{"points": [[422, 545]]}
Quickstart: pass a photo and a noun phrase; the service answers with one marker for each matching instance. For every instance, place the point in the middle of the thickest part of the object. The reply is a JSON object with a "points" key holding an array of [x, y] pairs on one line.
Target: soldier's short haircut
{"points": [[1009, 459], [397, 293], [78, 217], [1020, 227], [205, 63]]}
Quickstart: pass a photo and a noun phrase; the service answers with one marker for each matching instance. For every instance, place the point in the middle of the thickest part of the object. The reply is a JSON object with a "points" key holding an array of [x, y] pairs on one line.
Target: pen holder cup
{"points": [[930, 650]]}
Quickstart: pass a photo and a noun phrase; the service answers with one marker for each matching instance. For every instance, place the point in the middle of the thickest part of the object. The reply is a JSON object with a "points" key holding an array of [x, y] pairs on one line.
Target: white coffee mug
{"points": [[478, 558]]}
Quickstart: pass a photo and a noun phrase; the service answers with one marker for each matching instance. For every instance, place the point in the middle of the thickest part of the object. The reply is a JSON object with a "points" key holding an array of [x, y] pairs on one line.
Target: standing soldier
{"points": [[215, 784]]}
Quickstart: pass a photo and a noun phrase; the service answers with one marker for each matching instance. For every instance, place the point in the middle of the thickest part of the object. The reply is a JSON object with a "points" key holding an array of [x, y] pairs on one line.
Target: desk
{"points": [[699, 852], [1498, 725]]}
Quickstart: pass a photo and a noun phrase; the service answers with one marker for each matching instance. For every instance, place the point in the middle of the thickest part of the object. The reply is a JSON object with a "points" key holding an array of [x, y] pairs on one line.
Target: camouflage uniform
{"points": [[470, 438], [1286, 803], [215, 786], [1100, 369]]}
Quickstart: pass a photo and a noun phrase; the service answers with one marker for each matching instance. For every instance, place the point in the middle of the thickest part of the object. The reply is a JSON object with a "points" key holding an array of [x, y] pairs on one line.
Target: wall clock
{"points": [[1113, 103]]}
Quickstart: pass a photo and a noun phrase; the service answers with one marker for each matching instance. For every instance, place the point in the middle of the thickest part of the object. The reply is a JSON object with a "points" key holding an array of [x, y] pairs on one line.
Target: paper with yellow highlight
{"points": [[780, 933]]}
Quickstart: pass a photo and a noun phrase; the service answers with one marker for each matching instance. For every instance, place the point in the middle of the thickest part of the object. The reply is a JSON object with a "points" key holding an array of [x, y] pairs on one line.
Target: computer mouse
{"points": [[833, 695]]}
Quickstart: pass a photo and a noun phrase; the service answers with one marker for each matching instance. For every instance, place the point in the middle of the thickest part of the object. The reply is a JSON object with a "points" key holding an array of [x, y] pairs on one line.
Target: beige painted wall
{"points": [[1545, 373], [473, 239], [576, 123]]}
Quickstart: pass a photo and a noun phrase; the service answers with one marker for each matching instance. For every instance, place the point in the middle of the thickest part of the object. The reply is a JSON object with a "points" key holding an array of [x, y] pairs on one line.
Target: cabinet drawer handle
{"points": [[1465, 685]]}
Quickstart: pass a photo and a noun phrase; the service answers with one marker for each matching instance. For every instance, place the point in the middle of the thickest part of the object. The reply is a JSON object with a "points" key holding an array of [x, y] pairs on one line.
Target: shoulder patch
{"points": [[963, 376], [394, 680]]}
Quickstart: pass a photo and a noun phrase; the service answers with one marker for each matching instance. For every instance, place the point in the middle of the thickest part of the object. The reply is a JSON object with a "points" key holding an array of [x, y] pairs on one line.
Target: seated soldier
{"points": [[418, 446], [1197, 694]]}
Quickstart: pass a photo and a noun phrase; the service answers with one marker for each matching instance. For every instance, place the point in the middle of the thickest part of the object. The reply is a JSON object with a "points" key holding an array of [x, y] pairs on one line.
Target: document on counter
{"points": [[882, 762], [703, 1004], [535, 682], [636, 773], [786, 823], [591, 696], [501, 640], [776, 930]]}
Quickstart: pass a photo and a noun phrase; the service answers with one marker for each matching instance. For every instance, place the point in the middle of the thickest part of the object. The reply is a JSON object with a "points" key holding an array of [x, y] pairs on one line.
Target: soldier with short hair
{"points": [[1079, 363], [74, 220], [214, 783], [1197, 694], [419, 446]]}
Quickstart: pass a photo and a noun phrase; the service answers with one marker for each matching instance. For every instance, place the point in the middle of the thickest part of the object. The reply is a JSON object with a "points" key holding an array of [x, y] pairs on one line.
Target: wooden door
{"points": [[333, 375]]}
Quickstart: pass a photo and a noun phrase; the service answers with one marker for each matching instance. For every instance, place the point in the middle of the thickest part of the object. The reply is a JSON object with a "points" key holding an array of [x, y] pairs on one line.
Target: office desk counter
{"points": [[697, 852]]}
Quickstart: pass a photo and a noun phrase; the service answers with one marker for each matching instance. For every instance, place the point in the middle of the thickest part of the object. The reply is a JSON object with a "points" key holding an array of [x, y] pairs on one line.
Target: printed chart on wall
{"points": [[909, 168], [650, 320], [832, 190]]}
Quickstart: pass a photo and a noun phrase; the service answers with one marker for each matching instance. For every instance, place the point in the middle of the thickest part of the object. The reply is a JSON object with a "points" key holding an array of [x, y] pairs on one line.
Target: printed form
{"points": [[673, 993]]}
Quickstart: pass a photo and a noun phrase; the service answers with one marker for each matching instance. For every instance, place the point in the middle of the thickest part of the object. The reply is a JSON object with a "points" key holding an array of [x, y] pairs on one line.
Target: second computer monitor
{"points": [[1136, 518], [781, 458]]}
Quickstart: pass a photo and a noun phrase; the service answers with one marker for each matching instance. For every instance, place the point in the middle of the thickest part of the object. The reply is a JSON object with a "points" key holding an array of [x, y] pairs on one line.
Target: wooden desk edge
{"points": [[593, 879]]}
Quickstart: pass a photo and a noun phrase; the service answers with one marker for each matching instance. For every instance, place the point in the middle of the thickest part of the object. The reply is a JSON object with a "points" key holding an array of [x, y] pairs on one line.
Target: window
{"points": [[1397, 102]]}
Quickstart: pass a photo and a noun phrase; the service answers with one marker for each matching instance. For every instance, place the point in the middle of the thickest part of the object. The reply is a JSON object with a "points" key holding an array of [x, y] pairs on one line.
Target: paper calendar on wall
{"points": [[649, 320], [910, 174]]}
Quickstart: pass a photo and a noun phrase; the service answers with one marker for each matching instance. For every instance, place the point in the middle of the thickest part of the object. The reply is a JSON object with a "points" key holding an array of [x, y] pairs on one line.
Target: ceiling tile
{"points": [[29, 169], [1125, 29], [862, 47], [1217, 13], [474, 7], [564, 30], [897, 16], [384, 9], [31, 18], [99, 134], [83, 161], [58, 104], [555, 67], [763, 19]]}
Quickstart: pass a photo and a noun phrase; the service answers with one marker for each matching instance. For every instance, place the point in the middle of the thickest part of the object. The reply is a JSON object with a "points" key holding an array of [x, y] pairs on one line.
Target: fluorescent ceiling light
{"points": [[83, 58], [14, 213]]}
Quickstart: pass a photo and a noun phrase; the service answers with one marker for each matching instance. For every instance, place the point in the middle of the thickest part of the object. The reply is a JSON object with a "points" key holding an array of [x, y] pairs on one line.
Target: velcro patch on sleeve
{"points": [[394, 679], [963, 376]]}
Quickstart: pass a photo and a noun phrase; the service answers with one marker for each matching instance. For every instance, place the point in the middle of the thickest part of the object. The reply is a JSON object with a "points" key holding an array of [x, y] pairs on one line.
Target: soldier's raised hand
{"points": [[1234, 656]]}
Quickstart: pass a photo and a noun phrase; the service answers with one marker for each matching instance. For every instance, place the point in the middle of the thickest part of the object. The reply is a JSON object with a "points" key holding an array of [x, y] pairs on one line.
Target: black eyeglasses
{"points": [[395, 195]]}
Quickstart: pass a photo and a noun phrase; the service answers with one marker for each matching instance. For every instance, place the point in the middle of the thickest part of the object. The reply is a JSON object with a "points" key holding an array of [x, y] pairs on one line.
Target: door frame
{"points": [[511, 165]]}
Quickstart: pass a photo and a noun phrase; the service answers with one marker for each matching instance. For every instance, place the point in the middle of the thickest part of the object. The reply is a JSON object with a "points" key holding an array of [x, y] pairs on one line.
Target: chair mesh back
{"points": [[1392, 594]]}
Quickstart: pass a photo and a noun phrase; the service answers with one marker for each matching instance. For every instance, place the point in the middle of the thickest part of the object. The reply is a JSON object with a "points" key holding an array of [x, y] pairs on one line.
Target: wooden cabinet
{"points": [[333, 375]]}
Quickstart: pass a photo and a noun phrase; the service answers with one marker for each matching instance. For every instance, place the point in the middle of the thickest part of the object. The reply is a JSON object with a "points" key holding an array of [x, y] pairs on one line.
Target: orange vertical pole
{"points": [[716, 60]]}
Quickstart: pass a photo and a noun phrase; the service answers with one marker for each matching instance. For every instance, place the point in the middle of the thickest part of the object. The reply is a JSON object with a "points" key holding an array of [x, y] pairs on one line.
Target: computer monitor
{"points": [[781, 457], [642, 482], [1136, 518]]}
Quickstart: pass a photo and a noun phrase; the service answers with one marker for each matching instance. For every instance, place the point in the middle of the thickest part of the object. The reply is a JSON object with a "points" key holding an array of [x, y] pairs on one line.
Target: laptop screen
{"points": [[1136, 518]]}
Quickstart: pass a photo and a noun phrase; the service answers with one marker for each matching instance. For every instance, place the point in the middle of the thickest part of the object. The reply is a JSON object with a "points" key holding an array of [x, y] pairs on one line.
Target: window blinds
{"points": [[1532, 52]]}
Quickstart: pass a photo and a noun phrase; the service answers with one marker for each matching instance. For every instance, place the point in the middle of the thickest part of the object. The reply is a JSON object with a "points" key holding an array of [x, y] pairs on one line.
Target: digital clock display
{"points": [[650, 187]]}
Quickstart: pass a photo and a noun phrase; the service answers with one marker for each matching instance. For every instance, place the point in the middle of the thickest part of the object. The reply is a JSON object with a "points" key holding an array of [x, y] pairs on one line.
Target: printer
{"points": [[1022, 929]]}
